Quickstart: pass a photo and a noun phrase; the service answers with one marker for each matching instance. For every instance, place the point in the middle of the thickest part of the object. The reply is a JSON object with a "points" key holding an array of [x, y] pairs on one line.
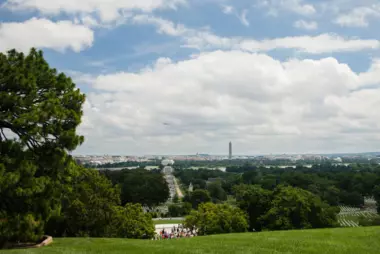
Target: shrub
{"points": [[217, 219], [369, 221]]}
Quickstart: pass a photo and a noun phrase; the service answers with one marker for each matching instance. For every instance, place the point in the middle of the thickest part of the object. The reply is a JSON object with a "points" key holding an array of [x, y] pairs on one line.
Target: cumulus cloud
{"points": [[44, 33], [206, 40], [107, 10], [302, 24], [263, 105], [359, 17]]}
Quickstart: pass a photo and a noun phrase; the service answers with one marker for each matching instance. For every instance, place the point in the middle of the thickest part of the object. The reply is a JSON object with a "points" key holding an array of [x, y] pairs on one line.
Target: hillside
{"points": [[336, 241]]}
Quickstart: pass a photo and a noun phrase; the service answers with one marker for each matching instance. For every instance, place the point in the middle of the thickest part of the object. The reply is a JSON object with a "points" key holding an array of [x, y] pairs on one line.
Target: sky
{"points": [[189, 76]]}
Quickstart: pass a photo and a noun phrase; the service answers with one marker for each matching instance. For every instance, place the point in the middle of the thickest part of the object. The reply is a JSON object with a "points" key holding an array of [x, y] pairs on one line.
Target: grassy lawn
{"points": [[335, 241], [167, 221]]}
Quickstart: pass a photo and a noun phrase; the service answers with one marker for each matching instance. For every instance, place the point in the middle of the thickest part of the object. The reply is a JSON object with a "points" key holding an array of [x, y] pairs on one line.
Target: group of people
{"points": [[175, 232]]}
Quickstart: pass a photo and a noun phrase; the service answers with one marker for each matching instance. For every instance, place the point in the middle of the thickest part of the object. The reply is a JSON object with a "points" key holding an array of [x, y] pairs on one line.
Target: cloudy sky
{"points": [[188, 76]]}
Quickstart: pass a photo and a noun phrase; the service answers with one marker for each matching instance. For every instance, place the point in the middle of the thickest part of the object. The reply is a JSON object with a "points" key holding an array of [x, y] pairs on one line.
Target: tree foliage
{"points": [[294, 208], [39, 112], [38, 104], [255, 201], [376, 195], [179, 209], [197, 197], [217, 193], [130, 221], [148, 188], [87, 207], [217, 219]]}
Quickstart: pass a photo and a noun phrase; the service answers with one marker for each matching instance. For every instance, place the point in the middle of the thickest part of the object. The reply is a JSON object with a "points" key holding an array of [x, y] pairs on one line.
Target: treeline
{"points": [[288, 198], [345, 185]]}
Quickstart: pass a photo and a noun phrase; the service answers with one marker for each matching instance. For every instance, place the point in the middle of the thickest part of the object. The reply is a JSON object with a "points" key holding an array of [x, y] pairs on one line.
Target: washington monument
{"points": [[230, 151]]}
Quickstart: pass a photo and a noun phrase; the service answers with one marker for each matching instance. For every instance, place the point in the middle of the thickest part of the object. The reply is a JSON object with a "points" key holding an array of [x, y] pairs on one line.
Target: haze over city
{"points": [[188, 76]]}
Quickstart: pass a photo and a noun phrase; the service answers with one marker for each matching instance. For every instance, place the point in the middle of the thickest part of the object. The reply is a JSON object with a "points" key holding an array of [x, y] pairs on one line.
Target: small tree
{"points": [[130, 221], [217, 219], [197, 197]]}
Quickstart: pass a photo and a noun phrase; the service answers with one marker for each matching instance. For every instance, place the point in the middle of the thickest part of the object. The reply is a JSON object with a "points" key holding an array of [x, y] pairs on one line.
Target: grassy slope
{"points": [[336, 241]]}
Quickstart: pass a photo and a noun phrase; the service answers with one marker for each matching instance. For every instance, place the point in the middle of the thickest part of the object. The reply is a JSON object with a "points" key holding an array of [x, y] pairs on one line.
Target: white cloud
{"points": [[359, 17], [206, 40], [163, 26], [261, 104], [227, 9], [243, 18], [107, 10], [43, 33], [295, 6], [302, 24]]}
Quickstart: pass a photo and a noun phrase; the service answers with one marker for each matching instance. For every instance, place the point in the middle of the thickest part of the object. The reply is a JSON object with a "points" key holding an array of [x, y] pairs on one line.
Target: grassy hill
{"points": [[336, 241]]}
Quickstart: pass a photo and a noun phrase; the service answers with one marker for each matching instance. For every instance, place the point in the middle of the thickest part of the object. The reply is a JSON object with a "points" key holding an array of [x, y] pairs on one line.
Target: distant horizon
{"points": [[233, 155]]}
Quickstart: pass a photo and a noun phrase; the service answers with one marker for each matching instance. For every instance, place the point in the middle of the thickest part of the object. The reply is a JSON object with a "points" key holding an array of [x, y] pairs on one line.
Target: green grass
{"points": [[167, 222], [335, 241]]}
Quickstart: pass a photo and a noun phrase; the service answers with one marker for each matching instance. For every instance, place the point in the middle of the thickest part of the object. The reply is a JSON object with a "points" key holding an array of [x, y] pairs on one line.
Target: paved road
{"points": [[179, 192]]}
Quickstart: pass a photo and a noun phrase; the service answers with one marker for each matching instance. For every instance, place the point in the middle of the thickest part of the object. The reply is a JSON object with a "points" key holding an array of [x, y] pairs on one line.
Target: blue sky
{"points": [[272, 76]]}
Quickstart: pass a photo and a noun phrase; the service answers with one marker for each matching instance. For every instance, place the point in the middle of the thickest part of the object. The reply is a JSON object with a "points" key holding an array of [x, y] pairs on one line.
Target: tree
{"points": [[142, 186], [177, 210], [255, 201], [38, 105], [295, 208], [130, 221], [87, 209], [376, 195], [216, 191], [250, 177], [175, 198], [331, 195], [197, 197], [351, 198], [217, 219], [39, 113]]}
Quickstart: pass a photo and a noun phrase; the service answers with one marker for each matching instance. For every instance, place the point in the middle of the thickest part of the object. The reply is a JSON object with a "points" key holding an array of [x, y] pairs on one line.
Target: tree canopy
{"points": [[148, 188], [37, 104], [40, 110], [217, 219]]}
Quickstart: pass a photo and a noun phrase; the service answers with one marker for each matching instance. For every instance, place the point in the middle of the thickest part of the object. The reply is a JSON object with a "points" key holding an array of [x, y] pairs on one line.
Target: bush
{"points": [[217, 219], [368, 222], [130, 221], [177, 210], [20, 228]]}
